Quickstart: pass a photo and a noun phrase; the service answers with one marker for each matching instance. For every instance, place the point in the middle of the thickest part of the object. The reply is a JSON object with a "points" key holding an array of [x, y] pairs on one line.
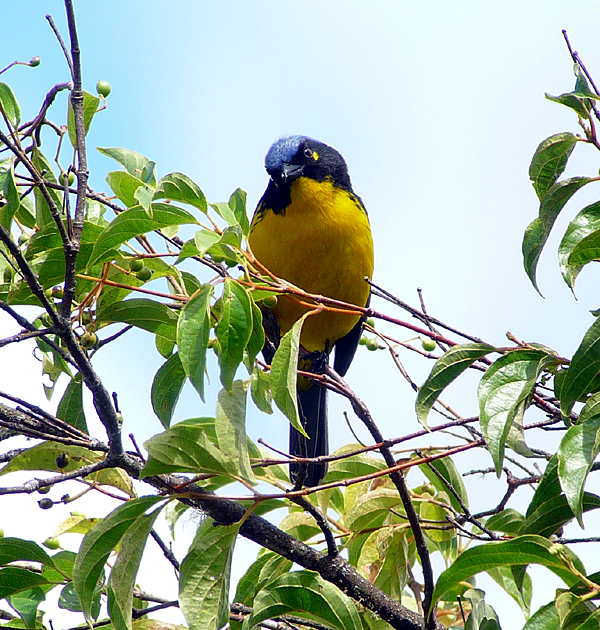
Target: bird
{"points": [[312, 230]]}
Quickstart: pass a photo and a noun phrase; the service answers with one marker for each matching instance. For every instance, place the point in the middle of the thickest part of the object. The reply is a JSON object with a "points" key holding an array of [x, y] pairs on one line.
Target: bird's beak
{"points": [[291, 171]]}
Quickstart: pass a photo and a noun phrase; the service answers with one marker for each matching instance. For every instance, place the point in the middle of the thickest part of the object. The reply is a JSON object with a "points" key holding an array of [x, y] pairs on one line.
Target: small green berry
{"points": [[44, 490], [51, 543], [363, 341], [23, 238], [45, 504], [1, 533], [372, 344], [76, 513], [58, 292], [137, 264], [103, 88], [88, 340], [429, 345], [144, 274], [35, 62], [371, 322], [270, 301], [70, 178], [9, 273]]}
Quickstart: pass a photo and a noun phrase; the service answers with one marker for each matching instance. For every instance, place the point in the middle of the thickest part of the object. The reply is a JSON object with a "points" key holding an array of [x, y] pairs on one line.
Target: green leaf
{"points": [[99, 543], [508, 522], [266, 568], [534, 240], [505, 578], [188, 446], [582, 370], [507, 383], [433, 512], [550, 516], [205, 575], [260, 390], [393, 550], [237, 203], [17, 549], [134, 163], [583, 225], [233, 330], [135, 222], [550, 160], [447, 369], [449, 472], [26, 604], [166, 387], [90, 107], [125, 187], [193, 330], [586, 251], [9, 195], [9, 106], [257, 337], [179, 187], [483, 616], [305, 594], [522, 550], [16, 579], [203, 240], [230, 427], [42, 210], [371, 509], [70, 407], [284, 374], [545, 618], [125, 570], [571, 101], [155, 317], [577, 452], [353, 466]]}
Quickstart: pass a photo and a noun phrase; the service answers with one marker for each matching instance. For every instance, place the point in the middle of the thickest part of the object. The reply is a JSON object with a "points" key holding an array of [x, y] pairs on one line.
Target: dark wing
{"points": [[345, 348]]}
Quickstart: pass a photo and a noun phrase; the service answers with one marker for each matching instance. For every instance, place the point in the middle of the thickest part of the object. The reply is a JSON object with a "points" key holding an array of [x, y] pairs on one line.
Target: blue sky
{"points": [[437, 108]]}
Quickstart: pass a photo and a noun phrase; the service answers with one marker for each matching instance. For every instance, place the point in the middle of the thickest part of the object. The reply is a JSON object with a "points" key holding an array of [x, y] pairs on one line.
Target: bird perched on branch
{"points": [[312, 230]]}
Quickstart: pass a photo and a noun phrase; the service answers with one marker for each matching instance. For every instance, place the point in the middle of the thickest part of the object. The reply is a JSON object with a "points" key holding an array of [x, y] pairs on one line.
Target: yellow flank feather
{"points": [[322, 244]]}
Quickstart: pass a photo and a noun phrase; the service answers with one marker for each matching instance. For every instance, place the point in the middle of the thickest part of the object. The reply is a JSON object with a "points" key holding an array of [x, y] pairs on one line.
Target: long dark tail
{"points": [[313, 411]]}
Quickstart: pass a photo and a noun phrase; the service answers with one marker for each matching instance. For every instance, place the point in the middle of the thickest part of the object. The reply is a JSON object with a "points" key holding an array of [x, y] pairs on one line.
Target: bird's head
{"points": [[300, 156]]}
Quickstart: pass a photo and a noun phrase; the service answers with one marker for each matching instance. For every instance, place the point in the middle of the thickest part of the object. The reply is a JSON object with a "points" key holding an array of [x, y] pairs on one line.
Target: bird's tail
{"points": [[313, 412]]}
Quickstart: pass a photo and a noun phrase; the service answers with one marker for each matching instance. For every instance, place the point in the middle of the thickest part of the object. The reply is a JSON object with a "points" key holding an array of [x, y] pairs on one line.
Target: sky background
{"points": [[437, 108]]}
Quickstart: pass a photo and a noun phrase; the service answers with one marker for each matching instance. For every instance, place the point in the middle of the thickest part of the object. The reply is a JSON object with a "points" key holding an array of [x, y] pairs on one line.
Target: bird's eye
{"points": [[308, 153]]}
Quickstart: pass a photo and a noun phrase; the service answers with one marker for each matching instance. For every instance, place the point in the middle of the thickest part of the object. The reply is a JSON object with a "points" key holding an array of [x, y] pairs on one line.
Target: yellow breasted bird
{"points": [[312, 230]]}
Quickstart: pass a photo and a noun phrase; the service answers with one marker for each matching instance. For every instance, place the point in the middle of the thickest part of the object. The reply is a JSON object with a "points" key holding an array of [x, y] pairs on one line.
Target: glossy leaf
{"points": [[284, 374], [237, 203], [583, 225], [503, 576], [155, 317], [534, 240], [549, 161], [125, 569], [26, 604], [554, 513], [17, 549], [230, 427], [267, 567], [305, 594], [577, 452], [9, 193], [193, 329], [522, 550], [545, 618], [16, 579], [205, 575], [125, 186], [70, 407], [134, 163], [100, 542], [9, 105], [233, 330], [188, 446], [447, 369], [166, 388], [90, 107], [509, 522], [135, 222], [260, 390], [572, 101], [507, 383], [483, 616], [587, 250], [353, 466], [179, 187], [582, 370], [371, 508]]}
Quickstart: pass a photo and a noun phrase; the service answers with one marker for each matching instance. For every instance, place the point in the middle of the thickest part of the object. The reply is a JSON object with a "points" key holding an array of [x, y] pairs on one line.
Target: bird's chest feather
{"points": [[321, 243]]}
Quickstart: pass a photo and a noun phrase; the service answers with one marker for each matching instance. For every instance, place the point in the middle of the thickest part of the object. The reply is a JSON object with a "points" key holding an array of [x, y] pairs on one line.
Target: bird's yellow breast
{"points": [[322, 244]]}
